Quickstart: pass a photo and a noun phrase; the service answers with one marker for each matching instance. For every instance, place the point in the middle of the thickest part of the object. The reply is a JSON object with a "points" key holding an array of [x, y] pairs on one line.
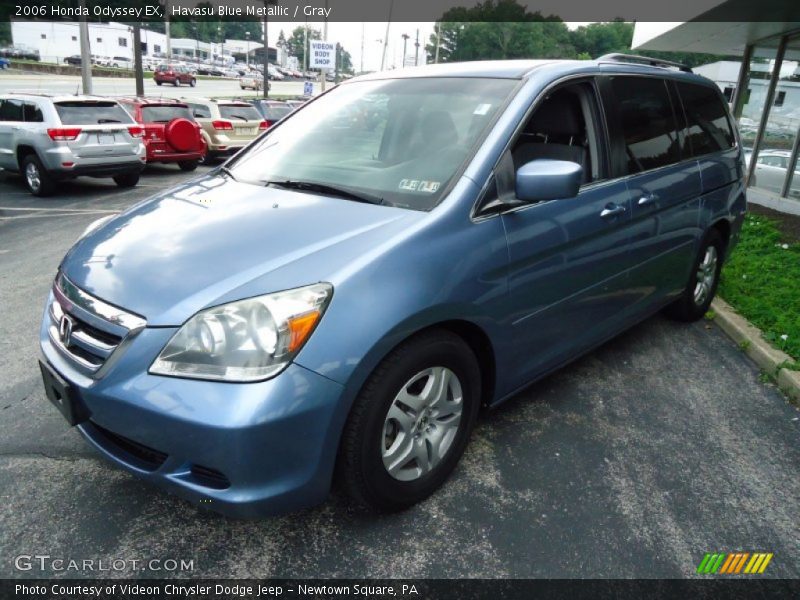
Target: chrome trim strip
{"points": [[54, 339], [64, 288]]}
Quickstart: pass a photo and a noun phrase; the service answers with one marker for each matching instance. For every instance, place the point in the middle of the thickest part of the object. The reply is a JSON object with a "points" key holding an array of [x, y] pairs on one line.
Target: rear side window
{"points": [[200, 111], [240, 113], [10, 110], [164, 114], [276, 113], [32, 113], [709, 129], [648, 122], [91, 113]]}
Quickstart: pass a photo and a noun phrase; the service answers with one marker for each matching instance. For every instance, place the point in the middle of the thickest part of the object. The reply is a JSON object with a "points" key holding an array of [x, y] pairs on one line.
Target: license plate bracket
{"points": [[105, 138], [63, 396]]}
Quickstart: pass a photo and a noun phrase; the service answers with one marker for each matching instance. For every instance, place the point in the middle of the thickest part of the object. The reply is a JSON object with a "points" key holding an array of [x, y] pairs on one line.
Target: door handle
{"points": [[612, 210], [648, 199]]}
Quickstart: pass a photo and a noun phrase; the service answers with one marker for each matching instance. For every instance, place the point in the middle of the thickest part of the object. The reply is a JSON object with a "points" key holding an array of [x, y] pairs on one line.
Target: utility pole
{"points": [[336, 64], [438, 36], [86, 55], [166, 30], [405, 37], [324, 72], [416, 51], [386, 37], [138, 73], [247, 55], [362, 47], [266, 53]]}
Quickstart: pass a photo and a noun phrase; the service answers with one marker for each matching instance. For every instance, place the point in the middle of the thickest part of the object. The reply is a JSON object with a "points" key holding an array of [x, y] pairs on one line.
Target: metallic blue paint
{"points": [[543, 283]]}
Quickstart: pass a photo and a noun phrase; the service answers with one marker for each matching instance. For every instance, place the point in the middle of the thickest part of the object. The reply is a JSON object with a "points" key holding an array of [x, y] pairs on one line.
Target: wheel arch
{"points": [[23, 151]]}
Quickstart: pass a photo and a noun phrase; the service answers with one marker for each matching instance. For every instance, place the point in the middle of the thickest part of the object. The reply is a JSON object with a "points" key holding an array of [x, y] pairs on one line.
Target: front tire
{"points": [[126, 180], [176, 83], [159, 83], [702, 286], [411, 422], [188, 165], [193, 82], [37, 179]]}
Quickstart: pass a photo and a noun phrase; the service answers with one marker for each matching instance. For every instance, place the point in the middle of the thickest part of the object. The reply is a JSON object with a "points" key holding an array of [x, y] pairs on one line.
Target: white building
{"points": [[56, 40]]}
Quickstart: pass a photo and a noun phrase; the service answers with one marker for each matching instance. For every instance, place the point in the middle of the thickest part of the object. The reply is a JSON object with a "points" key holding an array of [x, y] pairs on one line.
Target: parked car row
{"points": [[22, 52], [49, 138]]}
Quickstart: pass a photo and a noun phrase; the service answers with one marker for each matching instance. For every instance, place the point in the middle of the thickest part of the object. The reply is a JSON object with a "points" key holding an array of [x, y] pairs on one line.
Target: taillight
{"points": [[266, 124], [63, 134], [136, 131], [222, 125]]}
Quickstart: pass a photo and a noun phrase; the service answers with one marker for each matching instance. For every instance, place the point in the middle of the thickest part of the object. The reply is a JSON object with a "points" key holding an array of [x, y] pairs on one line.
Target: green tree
{"points": [[296, 43], [498, 29]]}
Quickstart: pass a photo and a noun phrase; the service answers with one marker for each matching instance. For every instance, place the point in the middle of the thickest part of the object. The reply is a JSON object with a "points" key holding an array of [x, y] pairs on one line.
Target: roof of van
{"points": [[519, 69]]}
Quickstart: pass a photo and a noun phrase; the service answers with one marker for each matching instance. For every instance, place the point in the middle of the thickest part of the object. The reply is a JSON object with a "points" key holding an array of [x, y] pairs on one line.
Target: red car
{"points": [[174, 74], [170, 132]]}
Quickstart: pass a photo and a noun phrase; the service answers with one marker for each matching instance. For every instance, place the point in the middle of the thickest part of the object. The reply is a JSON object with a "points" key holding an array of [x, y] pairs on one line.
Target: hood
{"points": [[203, 242]]}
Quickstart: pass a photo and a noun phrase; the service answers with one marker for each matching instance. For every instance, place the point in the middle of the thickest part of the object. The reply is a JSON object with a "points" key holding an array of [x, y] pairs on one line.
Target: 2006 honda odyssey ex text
{"points": [[339, 299]]}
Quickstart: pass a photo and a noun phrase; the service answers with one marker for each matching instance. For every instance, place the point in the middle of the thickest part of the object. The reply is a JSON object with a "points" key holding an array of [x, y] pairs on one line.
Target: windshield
{"points": [[164, 114], [89, 113], [401, 140], [239, 112]]}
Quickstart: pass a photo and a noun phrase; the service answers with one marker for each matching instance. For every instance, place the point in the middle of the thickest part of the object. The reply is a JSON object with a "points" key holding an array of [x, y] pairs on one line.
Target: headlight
{"points": [[247, 340]]}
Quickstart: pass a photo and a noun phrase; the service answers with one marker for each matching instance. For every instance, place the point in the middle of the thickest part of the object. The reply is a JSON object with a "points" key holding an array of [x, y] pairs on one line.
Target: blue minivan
{"points": [[338, 300]]}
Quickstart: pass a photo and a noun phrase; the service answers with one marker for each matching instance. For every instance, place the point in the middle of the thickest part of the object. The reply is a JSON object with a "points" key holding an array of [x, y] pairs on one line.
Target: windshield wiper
{"points": [[100, 121], [238, 117], [324, 188]]}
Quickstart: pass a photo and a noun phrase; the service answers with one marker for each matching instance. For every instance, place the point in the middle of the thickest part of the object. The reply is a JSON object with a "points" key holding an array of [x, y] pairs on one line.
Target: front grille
{"points": [[144, 456], [84, 328]]}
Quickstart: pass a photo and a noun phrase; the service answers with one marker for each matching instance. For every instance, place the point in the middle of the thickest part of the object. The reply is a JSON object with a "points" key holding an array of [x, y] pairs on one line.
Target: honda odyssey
{"points": [[338, 300]]}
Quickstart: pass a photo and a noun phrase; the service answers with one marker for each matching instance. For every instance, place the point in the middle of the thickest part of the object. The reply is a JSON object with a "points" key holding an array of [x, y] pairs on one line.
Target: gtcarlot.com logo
{"points": [[734, 563], [45, 562]]}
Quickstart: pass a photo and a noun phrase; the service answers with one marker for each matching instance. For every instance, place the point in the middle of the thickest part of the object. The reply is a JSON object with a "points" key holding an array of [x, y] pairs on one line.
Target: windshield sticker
{"points": [[409, 185], [428, 187], [482, 109]]}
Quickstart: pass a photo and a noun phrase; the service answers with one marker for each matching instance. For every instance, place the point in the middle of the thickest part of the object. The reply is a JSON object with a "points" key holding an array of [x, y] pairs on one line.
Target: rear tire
{"points": [[126, 180], [158, 82], [176, 83], [188, 165], [37, 179], [703, 280], [411, 422]]}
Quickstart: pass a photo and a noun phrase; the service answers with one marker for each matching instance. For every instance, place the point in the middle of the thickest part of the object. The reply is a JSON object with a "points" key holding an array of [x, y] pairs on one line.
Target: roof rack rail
{"points": [[647, 60]]}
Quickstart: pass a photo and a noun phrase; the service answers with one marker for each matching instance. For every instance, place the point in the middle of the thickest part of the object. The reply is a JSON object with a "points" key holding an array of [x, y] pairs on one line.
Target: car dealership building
{"points": [[763, 89]]}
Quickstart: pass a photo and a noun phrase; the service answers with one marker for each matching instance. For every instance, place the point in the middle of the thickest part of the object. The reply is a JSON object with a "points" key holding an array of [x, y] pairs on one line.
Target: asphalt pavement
{"points": [[634, 461], [13, 80]]}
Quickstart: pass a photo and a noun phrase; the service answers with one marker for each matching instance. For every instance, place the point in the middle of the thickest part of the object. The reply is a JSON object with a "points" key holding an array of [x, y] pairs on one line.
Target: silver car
{"points": [[50, 138], [770, 172]]}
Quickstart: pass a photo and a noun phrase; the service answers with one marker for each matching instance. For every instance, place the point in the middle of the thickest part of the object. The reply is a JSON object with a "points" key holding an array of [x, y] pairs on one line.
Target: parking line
{"points": [[63, 210]]}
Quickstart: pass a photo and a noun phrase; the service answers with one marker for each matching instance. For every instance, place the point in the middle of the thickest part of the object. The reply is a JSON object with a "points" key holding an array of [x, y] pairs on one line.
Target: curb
{"points": [[750, 340]]}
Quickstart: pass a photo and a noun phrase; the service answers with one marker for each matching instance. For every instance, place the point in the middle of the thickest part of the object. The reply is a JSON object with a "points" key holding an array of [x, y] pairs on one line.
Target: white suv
{"points": [[51, 138]]}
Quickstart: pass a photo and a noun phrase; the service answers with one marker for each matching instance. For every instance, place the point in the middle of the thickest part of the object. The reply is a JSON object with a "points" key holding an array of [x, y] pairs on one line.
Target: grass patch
{"points": [[762, 282]]}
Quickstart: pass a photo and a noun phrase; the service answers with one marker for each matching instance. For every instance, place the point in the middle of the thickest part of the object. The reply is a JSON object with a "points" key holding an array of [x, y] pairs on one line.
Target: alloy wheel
{"points": [[33, 177], [421, 423], [706, 274]]}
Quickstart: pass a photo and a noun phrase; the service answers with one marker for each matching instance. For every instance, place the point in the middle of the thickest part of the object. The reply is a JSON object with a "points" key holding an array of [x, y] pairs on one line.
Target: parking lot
{"points": [[635, 461]]}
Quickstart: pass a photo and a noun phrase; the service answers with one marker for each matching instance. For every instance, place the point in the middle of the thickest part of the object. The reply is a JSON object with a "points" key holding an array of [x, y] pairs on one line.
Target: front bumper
{"points": [[243, 450]]}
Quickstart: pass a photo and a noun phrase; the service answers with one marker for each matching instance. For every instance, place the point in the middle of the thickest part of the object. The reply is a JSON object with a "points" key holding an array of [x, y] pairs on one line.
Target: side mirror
{"points": [[547, 179]]}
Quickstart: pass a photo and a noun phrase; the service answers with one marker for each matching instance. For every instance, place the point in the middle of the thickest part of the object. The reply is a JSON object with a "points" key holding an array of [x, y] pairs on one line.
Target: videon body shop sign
{"points": [[323, 55]]}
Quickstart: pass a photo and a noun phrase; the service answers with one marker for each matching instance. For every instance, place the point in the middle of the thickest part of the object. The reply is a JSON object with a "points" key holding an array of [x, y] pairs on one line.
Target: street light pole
{"points": [[86, 55], [416, 51], [438, 36], [137, 60], [405, 37], [247, 55], [386, 37]]}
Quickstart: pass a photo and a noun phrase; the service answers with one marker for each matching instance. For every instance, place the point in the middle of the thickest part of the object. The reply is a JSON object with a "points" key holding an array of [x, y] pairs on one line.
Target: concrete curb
{"points": [[750, 340]]}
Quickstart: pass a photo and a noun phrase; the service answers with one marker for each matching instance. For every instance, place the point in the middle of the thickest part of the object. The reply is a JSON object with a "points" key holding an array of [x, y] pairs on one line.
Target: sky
{"points": [[350, 36]]}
